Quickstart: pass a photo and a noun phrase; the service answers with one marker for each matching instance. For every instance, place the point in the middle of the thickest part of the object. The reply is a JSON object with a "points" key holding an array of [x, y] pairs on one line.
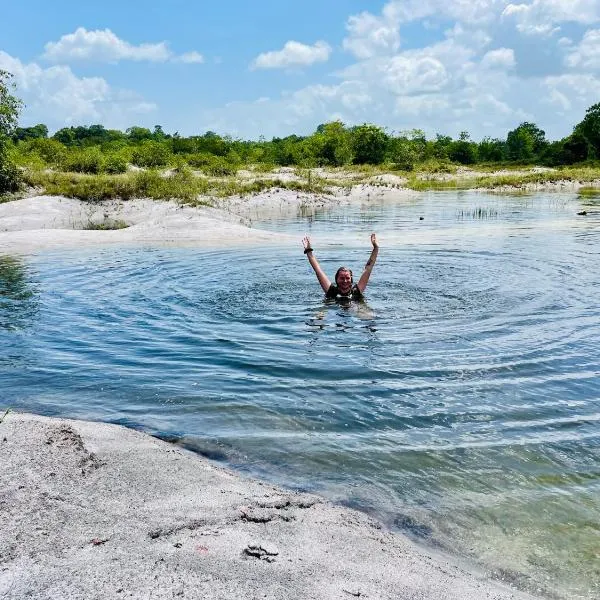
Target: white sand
{"points": [[99, 511], [46, 222]]}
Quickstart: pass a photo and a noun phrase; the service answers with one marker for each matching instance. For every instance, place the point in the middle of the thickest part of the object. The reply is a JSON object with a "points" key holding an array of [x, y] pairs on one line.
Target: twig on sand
{"points": [[4, 415]]}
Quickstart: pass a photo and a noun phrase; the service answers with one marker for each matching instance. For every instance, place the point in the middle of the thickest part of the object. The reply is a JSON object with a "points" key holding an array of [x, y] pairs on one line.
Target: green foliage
{"points": [[83, 160], [525, 142], [87, 136], [216, 166], [491, 150], [403, 154], [114, 163], [151, 154], [106, 225], [589, 128], [369, 143], [463, 151], [39, 131], [10, 107], [334, 144], [49, 151]]}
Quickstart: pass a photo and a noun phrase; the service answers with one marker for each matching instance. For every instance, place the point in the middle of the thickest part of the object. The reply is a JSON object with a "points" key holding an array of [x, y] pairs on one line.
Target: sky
{"points": [[274, 68]]}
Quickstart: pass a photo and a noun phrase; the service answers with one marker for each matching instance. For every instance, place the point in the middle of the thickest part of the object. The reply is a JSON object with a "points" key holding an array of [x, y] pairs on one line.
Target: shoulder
{"points": [[356, 293], [332, 292]]}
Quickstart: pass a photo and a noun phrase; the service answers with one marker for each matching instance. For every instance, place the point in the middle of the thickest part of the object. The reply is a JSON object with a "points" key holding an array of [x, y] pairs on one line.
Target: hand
{"points": [[306, 243], [374, 241]]}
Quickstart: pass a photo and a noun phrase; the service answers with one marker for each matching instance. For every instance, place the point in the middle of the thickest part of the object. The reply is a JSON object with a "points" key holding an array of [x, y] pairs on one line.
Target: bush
{"points": [[151, 154], [10, 176], [216, 166], [48, 150], [114, 164], [87, 160]]}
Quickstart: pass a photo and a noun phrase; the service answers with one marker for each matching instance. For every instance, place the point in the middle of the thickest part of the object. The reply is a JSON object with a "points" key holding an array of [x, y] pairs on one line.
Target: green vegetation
{"points": [[106, 225], [181, 184], [9, 114], [95, 163], [563, 174]]}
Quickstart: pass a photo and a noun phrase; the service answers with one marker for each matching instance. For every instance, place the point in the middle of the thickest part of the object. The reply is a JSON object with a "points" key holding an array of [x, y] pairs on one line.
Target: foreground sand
{"points": [[94, 510]]}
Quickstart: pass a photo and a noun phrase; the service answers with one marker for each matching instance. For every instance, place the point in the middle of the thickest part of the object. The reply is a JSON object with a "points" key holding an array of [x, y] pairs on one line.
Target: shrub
{"points": [[86, 160], [151, 154], [216, 166], [50, 151], [10, 176], [114, 163]]}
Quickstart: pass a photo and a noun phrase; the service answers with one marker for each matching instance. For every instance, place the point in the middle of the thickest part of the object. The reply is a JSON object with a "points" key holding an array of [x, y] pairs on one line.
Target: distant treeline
{"points": [[95, 149]]}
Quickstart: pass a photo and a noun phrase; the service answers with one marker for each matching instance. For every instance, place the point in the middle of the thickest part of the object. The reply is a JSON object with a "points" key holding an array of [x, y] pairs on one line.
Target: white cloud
{"points": [[57, 97], [104, 46], [405, 75], [586, 56], [502, 58], [190, 58], [370, 35], [543, 17], [293, 54]]}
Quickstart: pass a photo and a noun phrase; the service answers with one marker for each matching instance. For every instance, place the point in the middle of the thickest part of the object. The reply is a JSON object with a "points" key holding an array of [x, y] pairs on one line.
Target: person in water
{"points": [[344, 286]]}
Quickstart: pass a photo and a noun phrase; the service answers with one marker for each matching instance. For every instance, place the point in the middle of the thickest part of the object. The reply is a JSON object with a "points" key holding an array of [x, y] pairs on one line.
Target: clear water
{"points": [[459, 404]]}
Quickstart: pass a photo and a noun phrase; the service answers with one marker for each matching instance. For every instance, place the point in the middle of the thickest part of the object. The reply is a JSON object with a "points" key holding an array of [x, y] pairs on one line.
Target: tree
{"points": [[463, 150], [369, 143], [36, 132], [525, 142], [10, 107], [589, 128], [335, 144], [491, 150]]}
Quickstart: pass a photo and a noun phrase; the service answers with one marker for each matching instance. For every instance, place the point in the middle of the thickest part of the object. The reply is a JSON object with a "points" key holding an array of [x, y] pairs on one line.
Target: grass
{"points": [[106, 225], [517, 180], [183, 185]]}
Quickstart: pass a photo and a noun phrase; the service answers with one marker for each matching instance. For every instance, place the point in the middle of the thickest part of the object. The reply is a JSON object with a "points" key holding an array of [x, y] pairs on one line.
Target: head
{"points": [[343, 279]]}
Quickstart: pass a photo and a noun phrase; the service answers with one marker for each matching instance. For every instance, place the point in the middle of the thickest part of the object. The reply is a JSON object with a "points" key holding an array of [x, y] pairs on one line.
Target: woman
{"points": [[343, 286]]}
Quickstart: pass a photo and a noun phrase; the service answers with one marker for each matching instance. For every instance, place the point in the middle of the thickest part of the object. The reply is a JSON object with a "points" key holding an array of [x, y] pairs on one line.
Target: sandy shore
{"points": [[94, 510], [40, 223], [52, 222]]}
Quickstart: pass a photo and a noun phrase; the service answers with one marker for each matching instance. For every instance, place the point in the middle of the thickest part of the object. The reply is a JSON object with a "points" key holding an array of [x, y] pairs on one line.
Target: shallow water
{"points": [[459, 404]]}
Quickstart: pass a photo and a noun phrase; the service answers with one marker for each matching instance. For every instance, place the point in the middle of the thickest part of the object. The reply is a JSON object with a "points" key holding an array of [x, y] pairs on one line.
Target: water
{"points": [[459, 404]]}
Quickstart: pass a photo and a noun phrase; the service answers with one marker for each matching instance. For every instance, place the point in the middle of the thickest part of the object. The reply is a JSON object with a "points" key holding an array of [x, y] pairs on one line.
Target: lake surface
{"points": [[460, 403]]}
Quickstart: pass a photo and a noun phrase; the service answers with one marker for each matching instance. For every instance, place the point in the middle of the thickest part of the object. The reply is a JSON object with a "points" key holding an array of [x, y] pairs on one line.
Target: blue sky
{"points": [[274, 68]]}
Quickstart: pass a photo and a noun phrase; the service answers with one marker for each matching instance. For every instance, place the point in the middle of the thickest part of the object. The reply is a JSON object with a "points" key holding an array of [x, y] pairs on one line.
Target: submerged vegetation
{"points": [[95, 163]]}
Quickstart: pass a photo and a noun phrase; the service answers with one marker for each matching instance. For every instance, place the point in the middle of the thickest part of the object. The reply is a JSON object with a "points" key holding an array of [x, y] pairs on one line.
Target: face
{"points": [[344, 281]]}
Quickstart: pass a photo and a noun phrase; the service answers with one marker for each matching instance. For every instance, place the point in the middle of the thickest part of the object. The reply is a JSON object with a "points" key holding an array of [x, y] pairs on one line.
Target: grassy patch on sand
{"points": [[181, 185], [518, 180]]}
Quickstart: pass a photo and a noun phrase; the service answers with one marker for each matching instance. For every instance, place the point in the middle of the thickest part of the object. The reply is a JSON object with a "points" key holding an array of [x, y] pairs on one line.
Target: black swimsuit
{"points": [[334, 292]]}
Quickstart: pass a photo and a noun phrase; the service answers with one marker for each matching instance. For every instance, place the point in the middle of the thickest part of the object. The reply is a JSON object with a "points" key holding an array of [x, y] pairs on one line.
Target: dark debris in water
{"points": [[413, 527]]}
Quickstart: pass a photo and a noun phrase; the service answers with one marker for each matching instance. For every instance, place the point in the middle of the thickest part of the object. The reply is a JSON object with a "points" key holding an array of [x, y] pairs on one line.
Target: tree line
{"points": [[96, 149]]}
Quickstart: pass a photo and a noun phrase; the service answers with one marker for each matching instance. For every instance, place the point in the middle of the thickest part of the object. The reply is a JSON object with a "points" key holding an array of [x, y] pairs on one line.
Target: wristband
{"points": [[307, 250]]}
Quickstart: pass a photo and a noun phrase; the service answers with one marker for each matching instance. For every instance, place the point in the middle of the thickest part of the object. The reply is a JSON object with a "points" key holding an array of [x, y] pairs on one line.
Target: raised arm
{"points": [[314, 263], [364, 278]]}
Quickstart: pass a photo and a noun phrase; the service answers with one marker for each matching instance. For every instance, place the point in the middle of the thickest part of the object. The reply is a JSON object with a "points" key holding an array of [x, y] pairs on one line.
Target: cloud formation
{"points": [[293, 54], [105, 47], [56, 96]]}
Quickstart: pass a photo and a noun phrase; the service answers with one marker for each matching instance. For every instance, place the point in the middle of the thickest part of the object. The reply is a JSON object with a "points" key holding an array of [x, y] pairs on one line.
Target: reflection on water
{"points": [[460, 403], [18, 301]]}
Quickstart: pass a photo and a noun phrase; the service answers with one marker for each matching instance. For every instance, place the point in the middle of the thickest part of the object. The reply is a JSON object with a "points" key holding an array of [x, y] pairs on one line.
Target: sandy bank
{"points": [[55, 222], [94, 510], [52, 222]]}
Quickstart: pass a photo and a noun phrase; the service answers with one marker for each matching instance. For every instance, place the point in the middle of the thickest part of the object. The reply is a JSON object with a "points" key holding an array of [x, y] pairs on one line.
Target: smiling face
{"points": [[343, 279]]}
